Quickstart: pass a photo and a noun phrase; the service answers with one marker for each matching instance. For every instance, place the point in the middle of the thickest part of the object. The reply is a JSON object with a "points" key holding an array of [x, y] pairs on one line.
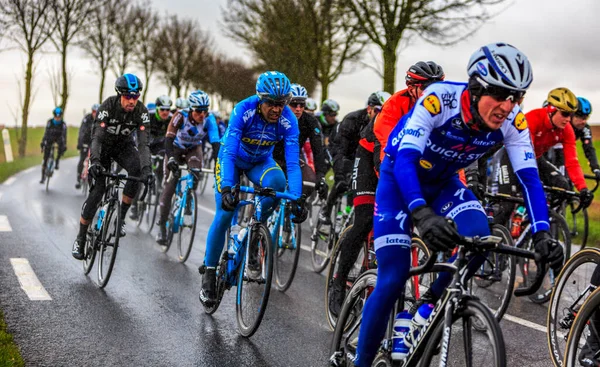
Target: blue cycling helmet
{"points": [[95, 106], [57, 111], [199, 100], [299, 92], [128, 84], [584, 107], [151, 107], [273, 85]]}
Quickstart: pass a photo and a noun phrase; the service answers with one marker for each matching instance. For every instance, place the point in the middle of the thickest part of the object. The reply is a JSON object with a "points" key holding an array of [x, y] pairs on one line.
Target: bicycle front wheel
{"points": [[468, 346], [254, 280], [287, 253], [153, 200], [187, 227], [583, 344], [571, 290], [89, 250], [109, 243]]}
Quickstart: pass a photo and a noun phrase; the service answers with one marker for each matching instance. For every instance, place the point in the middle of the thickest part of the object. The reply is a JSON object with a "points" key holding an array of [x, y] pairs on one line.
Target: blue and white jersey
{"points": [[249, 139], [432, 142], [190, 134]]}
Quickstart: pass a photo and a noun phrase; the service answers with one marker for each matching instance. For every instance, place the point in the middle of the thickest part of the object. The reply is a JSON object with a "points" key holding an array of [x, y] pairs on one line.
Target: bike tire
{"points": [[221, 283], [283, 278], [89, 250], [184, 245], [210, 164], [582, 324], [472, 308], [563, 309], [322, 241], [155, 200], [248, 325], [170, 220], [109, 241], [559, 230], [586, 228]]}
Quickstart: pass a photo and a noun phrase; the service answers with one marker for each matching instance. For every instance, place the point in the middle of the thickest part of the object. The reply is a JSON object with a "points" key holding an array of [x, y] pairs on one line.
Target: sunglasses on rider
{"points": [[503, 94], [582, 116], [297, 104], [334, 114], [199, 109], [274, 103], [565, 113], [164, 109], [131, 96]]}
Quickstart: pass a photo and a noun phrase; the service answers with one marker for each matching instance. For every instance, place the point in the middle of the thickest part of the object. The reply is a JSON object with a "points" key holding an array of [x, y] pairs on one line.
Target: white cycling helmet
{"points": [[501, 65], [164, 102], [199, 99], [182, 103], [299, 92], [311, 104]]}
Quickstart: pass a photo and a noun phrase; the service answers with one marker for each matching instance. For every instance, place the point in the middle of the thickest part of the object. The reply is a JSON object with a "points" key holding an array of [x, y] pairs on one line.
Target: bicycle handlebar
{"points": [[268, 192], [124, 177]]}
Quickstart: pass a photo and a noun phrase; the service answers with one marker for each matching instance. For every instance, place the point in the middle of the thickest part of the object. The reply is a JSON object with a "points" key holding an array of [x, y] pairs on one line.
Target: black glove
{"points": [[299, 211], [42, 146], [586, 197], [147, 176], [95, 170], [597, 174], [79, 147], [474, 185], [342, 186], [438, 232], [322, 188], [172, 165], [549, 249], [228, 201]]}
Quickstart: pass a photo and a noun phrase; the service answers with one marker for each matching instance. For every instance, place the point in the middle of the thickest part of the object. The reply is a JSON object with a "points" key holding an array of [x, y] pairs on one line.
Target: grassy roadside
{"points": [[9, 352], [33, 155]]}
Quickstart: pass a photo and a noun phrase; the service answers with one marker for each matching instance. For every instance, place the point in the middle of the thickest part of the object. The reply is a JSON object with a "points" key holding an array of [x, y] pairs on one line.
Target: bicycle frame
{"points": [[181, 199]]}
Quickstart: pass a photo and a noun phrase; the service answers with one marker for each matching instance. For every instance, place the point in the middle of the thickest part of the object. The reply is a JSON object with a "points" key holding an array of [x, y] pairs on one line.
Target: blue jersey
{"points": [[432, 142], [249, 140], [212, 129]]}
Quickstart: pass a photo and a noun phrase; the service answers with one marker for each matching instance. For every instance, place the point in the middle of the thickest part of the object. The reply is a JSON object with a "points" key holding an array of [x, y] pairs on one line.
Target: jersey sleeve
{"points": [[316, 144], [212, 129], [571, 162], [588, 148], [292, 155], [517, 141], [99, 131], [143, 140], [231, 143], [392, 111]]}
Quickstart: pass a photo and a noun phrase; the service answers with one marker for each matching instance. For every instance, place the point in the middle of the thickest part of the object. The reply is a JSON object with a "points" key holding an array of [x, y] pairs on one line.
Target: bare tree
{"points": [[239, 83], [126, 36], [99, 40], [54, 79], [30, 26], [387, 23], [183, 44], [146, 46], [71, 17]]}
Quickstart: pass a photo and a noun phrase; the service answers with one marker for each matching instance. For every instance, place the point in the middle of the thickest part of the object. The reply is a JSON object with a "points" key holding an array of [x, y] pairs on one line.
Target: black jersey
{"points": [[85, 131], [56, 132]]}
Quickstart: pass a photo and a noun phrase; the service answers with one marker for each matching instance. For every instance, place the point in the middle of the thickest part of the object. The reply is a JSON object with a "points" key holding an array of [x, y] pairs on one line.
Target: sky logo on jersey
{"points": [[426, 164], [482, 69], [432, 104], [520, 122]]}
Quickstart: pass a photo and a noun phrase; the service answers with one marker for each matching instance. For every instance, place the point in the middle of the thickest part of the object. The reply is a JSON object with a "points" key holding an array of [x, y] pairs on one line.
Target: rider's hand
{"points": [[438, 232], [172, 165], [322, 188], [549, 249], [228, 201], [299, 211], [597, 174], [42, 146], [586, 197], [342, 186], [95, 170], [474, 185], [147, 176]]}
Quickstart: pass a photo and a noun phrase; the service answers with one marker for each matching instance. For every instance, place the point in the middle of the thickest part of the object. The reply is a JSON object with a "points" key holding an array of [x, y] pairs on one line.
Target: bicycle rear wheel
{"points": [[170, 223], [221, 283], [287, 253], [570, 292], [109, 243], [253, 290], [209, 164], [322, 240], [89, 250], [583, 344], [187, 227], [154, 198], [468, 346]]}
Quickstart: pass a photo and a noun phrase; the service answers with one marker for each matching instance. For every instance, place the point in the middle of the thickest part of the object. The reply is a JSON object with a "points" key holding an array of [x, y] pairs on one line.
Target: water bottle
{"points": [[515, 230], [338, 221], [401, 328], [417, 323], [233, 238]]}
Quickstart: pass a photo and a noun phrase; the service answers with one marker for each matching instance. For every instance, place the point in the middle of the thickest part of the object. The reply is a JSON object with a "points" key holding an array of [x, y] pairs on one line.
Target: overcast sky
{"points": [[561, 39]]}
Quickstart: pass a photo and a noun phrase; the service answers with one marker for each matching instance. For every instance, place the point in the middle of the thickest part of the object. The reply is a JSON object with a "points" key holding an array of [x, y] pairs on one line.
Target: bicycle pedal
{"points": [[202, 269]]}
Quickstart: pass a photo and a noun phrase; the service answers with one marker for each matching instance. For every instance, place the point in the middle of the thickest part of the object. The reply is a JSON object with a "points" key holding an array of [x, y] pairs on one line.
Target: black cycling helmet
{"points": [[424, 73], [128, 84], [378, 98]]}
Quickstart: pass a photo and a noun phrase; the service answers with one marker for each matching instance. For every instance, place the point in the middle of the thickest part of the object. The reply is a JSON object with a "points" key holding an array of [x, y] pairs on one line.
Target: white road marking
{"points": [[30, 169], [523, 322], [5, 224], [29, 281], [10, 180]]}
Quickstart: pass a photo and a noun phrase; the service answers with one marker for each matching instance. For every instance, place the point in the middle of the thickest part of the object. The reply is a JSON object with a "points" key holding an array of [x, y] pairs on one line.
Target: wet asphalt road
{"points": [[149, 314]]}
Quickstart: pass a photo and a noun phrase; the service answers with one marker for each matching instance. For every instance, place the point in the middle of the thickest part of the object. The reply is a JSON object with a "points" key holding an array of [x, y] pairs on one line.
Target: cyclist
{"points": [[311, 106], [346, 143], [548, 126], [183, 143], [364, 179], [181, 104], [84, 140], [450, 126], [256, 125], [160, 116], [327, 117], [309, 129], [56, 132], [118, 117]]}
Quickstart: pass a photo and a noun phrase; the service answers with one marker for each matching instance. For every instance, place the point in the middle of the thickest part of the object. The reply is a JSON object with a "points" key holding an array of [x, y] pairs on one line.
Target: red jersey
{"points": [[544, 136]]}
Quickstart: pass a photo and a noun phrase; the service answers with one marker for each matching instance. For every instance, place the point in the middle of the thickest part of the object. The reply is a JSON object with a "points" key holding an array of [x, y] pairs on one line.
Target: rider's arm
{"points": [[45, 132], [292, 152], [393, 110], [143, 137], [316, 145], [99, 131], [522, 157], [212, 129], [171, 133], [346, 133], [588, 147], [81, 135], [232, 140], [571, 161], [64, 136]]}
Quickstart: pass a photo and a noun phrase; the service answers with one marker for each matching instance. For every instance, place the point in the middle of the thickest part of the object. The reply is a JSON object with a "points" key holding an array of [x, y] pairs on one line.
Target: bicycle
{"points": [[287, 237], [367, 260], [569, 210], [84, 172], [50, 164], [325, 236], [184, 213], [103, 234], [434, 338], [254, 239], [571, 290], [148, 208], [585, 330]]}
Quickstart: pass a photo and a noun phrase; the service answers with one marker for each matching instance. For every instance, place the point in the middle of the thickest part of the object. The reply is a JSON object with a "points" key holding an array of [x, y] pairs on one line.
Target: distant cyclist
{"points": [[56, 132], [85, 140], [181, 104], [256, 125], [183, 143], [118, 117], [311, 106], [328, 118]]}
